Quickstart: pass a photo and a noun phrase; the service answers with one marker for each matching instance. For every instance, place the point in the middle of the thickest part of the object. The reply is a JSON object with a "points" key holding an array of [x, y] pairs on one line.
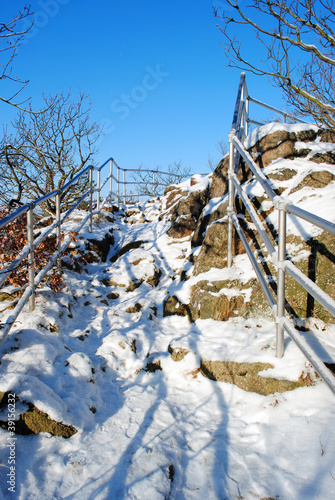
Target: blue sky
{"points": [[155, 71]]}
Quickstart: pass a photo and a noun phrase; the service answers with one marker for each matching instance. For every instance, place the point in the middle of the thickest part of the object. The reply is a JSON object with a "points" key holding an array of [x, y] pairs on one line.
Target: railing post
{"points": [[58, 233], [241, 125], [118, 184], [124, 186], [31, 260], [231, 196], [243, 103], [280, 205], [111, 178], [153, 184], [247, 116], [98, 190], [90, 228]]}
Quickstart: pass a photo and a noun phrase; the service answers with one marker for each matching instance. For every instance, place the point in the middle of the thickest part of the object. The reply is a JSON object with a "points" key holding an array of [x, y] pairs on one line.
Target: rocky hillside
{"points": [[299, 161], [152, 373]]}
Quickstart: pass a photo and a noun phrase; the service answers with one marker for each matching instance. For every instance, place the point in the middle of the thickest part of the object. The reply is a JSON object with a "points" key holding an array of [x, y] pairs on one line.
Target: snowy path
{"points": [[171, 433]]}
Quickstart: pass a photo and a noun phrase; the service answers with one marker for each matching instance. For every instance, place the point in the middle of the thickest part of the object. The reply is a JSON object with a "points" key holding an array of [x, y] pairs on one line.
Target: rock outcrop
{"points": [[203, 217]]}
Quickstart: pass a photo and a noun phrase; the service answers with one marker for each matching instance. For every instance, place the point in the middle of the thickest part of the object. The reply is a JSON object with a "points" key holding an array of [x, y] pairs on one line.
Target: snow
{"points": [[213, 205], [319, 201], [270, 128], [315, 147], [81, 357]]}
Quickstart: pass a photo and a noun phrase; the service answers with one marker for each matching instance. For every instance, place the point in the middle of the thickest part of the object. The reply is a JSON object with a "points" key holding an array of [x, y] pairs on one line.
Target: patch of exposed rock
{"points": [[101, 247], [175, 193], [177, 353], [192, 204], [318, 264], [126, 248], [185, 212], [213, 252], [246, 376], [205, 221], [35, 421], [219, 185], [172, 306], [221, 300], [280, 144], [135, 308], [182, 227], [131, 285]]}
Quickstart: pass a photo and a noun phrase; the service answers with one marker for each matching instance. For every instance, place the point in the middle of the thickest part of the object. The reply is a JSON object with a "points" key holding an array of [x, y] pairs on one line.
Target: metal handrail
{"points": [[95, 207], [241, 116], [278, 255], [275, 110]]}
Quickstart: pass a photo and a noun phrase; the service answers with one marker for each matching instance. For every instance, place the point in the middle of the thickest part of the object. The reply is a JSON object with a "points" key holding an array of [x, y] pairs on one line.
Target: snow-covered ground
{"points": [[81, 357]]}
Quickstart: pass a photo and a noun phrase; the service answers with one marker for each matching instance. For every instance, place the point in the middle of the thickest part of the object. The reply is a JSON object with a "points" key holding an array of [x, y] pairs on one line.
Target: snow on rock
{"points": [[32, 390], [80, 366], [270, 128]]}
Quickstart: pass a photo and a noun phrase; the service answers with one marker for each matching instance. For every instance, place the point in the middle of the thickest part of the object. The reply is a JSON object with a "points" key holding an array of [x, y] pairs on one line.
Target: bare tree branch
{"points": [[297, 39], [155, 181], [12, 33], [49, 149]]}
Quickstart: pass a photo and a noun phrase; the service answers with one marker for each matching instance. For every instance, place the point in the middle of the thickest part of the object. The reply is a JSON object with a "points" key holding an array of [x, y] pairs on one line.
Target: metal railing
{"points": [[153, 181], [278, 254], [241, 118], [94, 207]]}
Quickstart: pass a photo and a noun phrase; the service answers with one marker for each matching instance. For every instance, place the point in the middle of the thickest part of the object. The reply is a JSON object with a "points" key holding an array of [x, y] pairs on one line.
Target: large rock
{"points": [[211, 235], [185, 213], [318, 265], [246, 376], [183, 226], [192, 204], [213, 251], [205, 221], [219, 186], [280, 144], [205, 303], [223, 299]]}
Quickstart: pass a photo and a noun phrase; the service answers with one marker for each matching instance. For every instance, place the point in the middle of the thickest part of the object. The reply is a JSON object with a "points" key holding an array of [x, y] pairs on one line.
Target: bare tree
{"points": [[12, 180], [153, 182], [296, 49], [12, 33], [48, 150]]}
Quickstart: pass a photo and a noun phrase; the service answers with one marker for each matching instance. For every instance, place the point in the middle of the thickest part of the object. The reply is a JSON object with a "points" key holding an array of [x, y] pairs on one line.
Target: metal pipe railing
{"points": [[275, 110], [253, 261], [28, 251], [323, 224], [284, 207]]}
